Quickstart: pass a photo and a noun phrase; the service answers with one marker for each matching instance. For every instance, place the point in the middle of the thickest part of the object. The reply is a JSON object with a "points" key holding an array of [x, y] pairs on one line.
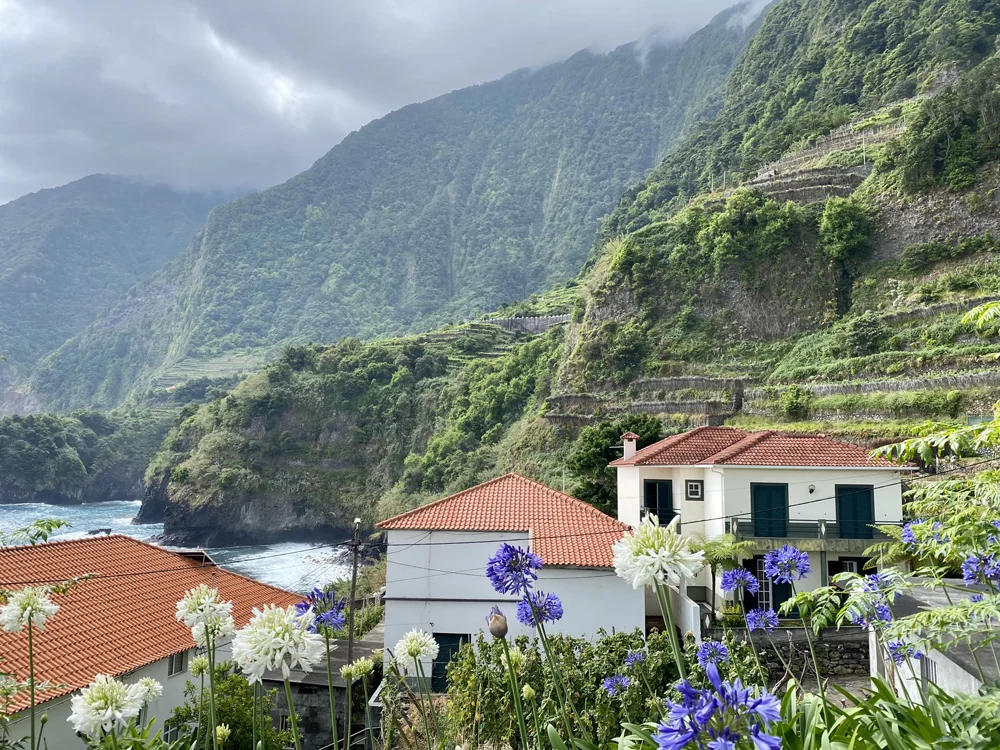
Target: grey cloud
{"points": [[245, 93]]}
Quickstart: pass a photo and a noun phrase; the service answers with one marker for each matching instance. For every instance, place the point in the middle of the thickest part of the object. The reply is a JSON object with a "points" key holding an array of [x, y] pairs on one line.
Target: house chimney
{"points": [[629, 439]]}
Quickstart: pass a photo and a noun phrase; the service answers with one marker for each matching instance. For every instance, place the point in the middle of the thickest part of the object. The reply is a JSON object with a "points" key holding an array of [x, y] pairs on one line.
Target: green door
{"points": [[855, 510], [769, 509], [658, 498], [449, 644]]}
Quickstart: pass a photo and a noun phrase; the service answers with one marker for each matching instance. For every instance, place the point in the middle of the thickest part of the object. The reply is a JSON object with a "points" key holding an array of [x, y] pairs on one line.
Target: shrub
{"points": [[865, 334], [795, 402]]}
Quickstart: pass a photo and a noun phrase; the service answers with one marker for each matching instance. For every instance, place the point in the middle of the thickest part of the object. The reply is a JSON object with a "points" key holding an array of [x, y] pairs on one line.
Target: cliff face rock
{"points": [[260, 519], [119, 482]]}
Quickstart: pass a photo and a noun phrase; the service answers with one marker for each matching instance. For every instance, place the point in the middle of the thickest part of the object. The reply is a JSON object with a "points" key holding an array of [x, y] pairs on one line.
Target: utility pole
{"points": [[355, 547]]}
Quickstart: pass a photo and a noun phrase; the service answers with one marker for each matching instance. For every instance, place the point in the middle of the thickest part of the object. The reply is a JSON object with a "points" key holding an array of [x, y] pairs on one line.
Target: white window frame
{"points": [[173, 659], [699, 484]]}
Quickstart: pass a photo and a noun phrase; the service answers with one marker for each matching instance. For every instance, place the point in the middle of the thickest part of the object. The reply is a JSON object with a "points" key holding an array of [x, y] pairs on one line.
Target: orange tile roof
{"points": [[734, 447], [564, 530], [118, 621]]}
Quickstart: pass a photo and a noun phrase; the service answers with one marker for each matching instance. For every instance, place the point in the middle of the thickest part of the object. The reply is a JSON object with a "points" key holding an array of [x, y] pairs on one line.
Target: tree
{"points": [[593, 451], [722, 553], [233, 706]]}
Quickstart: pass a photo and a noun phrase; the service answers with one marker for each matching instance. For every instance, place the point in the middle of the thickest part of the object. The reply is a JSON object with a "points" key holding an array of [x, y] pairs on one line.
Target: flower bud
{"points": [[497, 623], [528, 692], [222, 733]]}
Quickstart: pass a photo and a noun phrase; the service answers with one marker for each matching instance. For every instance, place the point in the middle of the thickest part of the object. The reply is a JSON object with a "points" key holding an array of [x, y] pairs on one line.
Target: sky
{"points": [[243, 94]]}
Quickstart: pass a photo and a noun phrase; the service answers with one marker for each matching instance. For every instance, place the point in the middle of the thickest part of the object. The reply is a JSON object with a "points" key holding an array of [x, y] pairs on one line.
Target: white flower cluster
{"points": [[656, 554], [274, 638], [199, 666], [106, 704], [206, 614], [415, 646], [28, 605], [357, 669], [151, 689]]}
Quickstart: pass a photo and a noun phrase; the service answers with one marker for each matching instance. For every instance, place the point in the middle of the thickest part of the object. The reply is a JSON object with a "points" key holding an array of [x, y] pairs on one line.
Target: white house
{"points": [[772, 488], [437, 554], [121, 622]]}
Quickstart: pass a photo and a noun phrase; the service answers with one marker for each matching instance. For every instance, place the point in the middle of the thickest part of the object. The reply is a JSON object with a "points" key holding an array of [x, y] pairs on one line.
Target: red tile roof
{"points": [[630, 436], [118, 621], [564, 530], [734, 447]]}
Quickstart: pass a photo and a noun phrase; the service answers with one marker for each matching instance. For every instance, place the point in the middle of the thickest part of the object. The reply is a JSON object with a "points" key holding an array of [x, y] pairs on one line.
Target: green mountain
{"points": [[438, 211], [65, 253], [826, 292]]}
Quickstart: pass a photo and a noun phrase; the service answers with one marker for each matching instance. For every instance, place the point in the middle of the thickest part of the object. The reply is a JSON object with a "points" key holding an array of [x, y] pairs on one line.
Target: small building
{"points": [[121, 622], [437, 554], [772, 488]]}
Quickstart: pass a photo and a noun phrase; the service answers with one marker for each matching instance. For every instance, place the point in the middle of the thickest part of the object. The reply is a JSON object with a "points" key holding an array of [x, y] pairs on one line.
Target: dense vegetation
{"points": [[83, 457], [817, 64], [65, 253], [433, 213]]}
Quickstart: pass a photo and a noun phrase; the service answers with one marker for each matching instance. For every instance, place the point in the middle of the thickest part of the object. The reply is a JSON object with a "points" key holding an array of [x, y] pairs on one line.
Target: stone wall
{"points": [[840, 653], [533, 325]]}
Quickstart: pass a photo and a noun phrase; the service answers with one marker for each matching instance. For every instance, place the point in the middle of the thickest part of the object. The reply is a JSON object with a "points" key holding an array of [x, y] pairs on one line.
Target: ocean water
{"points": [[294, 566]]}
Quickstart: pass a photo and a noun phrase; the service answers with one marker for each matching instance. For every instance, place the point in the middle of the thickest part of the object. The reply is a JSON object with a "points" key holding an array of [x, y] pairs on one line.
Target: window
{"points": [[695, 489], [849, 566], [658, 499], [928, 674], [172, 732], [769, 509], [177, 664]]}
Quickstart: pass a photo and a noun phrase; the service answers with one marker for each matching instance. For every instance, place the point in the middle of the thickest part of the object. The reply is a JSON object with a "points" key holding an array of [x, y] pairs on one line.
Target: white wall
{"points": [[819, 504], [58, 732], [950, 677], [439, 584]]}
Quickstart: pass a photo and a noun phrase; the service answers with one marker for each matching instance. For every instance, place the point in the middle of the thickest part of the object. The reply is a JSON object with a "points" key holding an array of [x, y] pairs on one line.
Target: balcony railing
{"points": [[744, 527]]}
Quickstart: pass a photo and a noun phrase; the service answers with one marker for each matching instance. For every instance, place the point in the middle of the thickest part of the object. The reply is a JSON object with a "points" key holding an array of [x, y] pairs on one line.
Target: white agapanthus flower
{"points": [[199, 666], [105, 704], [277, 638], [357, 669], [27, 605], [222, 733], [204, 612], [415, 646], [656, 554], [151, 689]]}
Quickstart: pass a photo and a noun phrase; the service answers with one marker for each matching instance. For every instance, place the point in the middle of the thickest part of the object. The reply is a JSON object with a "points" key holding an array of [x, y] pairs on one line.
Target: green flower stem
{"points": [[538, 725], [562, 693], [785, 665], [253, 721], [368, 717], [201, 706], [211, 688], [114, 740], [31, 675], [329, 682], [515, 690], [292, 718], [668, 616], [420, 703], [812, 651], [430, 698]]}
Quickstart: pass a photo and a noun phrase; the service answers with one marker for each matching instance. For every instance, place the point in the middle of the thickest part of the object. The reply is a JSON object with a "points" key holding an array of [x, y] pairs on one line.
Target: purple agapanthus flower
{"points": [[635, 658], [513, 570], [712, 652], [762, 619], [908, 536], [981, 569], [740, 579], [546, 607], [900, 651], [976, 598], [879, 583], [616, 684], [786, 565], [872, 618], [722, 714], [329, 609]]}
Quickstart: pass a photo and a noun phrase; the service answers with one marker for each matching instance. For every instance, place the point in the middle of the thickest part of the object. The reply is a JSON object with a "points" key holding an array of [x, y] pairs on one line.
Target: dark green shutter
{"points": [[769, 509], [855, 510], [449, 644]]}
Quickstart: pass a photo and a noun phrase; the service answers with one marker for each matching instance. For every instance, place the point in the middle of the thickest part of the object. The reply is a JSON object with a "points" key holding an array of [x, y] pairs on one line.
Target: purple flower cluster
{"points": [[717, 718], [634, 659], [513, 570], [712, 652], [900, 651], [538, 604], [786, 565], [616, 684], [979, 569], [873, 617], [879, 583], [740, 579], [762, 619], [908, 536], [329, 610]]}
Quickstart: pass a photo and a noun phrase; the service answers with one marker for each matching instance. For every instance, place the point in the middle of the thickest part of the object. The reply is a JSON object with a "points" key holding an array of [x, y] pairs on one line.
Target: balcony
{"points": [[812, 536]]}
